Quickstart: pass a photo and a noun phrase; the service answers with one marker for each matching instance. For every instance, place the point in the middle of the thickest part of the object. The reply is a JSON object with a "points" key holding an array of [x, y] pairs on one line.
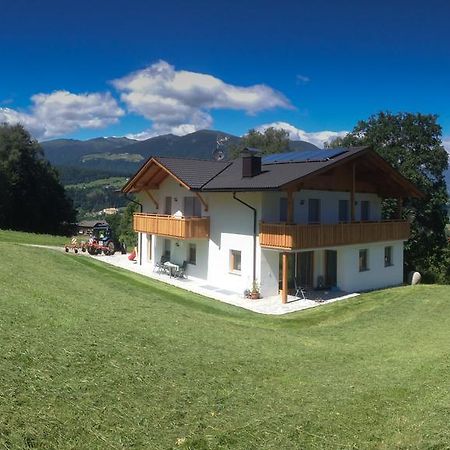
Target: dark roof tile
{"points": [[272, 176], [194, 172]]}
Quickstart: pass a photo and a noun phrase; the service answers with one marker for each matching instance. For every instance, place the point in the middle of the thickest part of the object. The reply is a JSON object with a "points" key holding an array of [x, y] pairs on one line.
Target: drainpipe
{"points": [[141, 209], [254, 233]]}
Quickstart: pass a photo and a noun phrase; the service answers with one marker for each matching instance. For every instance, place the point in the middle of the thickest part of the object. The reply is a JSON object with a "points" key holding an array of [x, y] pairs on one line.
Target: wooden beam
{"points": [[205, 205], [284, 279], [150, 196], [338, 163], [172, 175], [352, 194]]}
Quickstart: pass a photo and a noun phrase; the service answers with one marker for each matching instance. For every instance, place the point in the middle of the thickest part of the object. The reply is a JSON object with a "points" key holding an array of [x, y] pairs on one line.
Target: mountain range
{"points": [[124, 155], [121, 155]]}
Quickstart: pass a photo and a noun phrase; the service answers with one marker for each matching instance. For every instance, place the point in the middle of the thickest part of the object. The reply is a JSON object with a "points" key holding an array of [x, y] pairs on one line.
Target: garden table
{"points": [[172, 267]]}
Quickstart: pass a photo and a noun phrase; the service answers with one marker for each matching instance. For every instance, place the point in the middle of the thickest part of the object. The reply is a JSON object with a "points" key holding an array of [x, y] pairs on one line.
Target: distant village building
{"points": [[110, 211]]}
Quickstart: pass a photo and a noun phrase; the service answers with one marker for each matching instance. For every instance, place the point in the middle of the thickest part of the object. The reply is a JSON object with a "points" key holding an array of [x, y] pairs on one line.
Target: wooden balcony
{"points": [[296, 237], [171, 226]]}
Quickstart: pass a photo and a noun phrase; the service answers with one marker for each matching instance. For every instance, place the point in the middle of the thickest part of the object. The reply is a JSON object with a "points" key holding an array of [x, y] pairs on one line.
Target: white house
{"points": [[311, 216]]}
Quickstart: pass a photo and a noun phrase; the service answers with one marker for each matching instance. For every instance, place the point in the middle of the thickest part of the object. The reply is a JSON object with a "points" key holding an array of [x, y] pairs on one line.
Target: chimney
{"points": [[251, 162]]}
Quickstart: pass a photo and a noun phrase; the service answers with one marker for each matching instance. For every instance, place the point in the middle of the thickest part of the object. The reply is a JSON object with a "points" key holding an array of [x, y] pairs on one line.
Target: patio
{"points": [[268, 305]]}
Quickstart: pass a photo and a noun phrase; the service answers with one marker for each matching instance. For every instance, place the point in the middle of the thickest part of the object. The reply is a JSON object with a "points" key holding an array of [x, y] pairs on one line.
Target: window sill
{"points": [[364, 270], [235, 272], [389, 265]]}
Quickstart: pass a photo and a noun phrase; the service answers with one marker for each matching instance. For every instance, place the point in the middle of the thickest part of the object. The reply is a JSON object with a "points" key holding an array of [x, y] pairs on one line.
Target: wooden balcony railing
{"points": [[295, 237], [172, 226]]}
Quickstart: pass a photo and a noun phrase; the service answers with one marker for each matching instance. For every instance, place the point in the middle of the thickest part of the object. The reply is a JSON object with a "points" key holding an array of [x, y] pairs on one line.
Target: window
{"points": [[363, 260], [314, 210], [343, 210], [192, 207], [283, 209], [167, 248], [149, 247], [388, 260], [168, 206], [365, 210], [192, 255], [235, 260]]}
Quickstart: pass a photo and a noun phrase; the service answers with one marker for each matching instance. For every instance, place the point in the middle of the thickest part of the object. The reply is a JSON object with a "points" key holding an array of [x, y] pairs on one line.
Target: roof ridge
{"points": [[218, 173], [189, 159]]}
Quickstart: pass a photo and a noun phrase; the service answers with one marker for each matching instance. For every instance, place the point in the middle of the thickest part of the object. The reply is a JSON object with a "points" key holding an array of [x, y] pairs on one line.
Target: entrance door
{"points": [[305, 269], [330, 268]]}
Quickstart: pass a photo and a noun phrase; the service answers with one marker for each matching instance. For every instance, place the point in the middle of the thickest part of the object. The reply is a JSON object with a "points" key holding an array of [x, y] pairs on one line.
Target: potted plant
{"points": [[255, 291]]}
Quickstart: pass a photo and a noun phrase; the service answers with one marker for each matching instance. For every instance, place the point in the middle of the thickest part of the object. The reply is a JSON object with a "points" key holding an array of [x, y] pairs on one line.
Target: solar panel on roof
{"points": [[303, 156]]}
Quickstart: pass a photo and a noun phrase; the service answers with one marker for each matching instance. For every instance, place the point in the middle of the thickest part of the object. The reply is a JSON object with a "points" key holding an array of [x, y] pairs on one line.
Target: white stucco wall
{"points": [[232, 229], [169, 188], [269, 274], [350, 279]]}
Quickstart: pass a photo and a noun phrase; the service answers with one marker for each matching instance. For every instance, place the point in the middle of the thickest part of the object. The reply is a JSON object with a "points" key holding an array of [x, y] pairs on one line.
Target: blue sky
{"points": [[84, 69]]}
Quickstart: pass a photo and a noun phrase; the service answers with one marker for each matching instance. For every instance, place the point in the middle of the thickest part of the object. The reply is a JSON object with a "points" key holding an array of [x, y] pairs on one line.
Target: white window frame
{"points": [[233, 253], [366, 268]]}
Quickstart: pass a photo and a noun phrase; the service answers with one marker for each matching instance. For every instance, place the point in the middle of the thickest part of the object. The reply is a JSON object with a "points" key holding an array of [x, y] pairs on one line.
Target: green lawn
{"points": [[30, 238], [93, 357]]}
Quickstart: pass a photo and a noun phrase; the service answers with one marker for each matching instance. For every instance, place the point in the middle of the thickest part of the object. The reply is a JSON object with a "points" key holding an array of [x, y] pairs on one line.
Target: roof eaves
{"points": [[332, 163], [171, 173], [135, 175]]}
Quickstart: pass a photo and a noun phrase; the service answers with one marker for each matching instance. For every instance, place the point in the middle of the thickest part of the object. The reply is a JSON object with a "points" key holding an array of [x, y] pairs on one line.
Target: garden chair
{"points": [[159, 266], [299, 291], [181, 272]]}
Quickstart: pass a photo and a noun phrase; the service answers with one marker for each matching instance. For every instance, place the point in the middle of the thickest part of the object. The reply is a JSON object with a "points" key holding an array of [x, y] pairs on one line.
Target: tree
{"points": [[270, 141], [31, 196], [122, 225], [412, 143]]}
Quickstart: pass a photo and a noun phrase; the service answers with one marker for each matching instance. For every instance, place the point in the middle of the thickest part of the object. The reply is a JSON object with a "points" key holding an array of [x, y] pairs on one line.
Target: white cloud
{"points": [[179, 101], [446, 143], [303, 79], [318, 138], [63, 112]]}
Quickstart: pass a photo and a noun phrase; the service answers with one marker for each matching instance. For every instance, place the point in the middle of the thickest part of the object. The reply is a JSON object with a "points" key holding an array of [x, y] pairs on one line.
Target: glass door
{"points": [[305, 269], [330, 268]]}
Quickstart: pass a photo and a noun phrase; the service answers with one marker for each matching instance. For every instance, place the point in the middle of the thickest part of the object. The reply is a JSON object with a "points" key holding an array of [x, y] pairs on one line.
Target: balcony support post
{"points": [[284, 278], [352, 194]]}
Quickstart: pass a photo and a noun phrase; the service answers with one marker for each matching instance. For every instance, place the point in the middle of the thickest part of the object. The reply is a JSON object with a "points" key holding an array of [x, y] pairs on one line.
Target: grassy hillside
{"points": [[114, 157], [92, 196], [94, 357], [31, 238]]}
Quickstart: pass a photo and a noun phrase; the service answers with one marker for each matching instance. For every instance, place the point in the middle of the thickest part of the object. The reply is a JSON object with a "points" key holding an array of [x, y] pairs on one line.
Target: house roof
{"points": [[194, 172], [91, 223], [272, 176], [191, 173], [219, 176]]}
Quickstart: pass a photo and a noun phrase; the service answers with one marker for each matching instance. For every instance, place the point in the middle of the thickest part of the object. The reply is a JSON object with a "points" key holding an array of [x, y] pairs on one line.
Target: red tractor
{"points": [[103, 240]]}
